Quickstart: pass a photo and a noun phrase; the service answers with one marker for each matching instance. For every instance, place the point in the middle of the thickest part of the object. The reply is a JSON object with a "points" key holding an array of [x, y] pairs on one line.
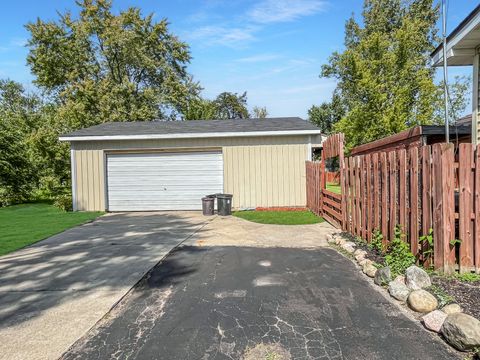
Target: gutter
{"points": [[188, 135]]}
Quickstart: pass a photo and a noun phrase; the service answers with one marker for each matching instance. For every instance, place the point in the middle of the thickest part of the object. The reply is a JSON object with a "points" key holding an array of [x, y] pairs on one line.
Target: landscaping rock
{"points": [[359, 255], [434, 320], [349, 247], [369, 269], [422, 301], [400, 279], [383, 276], [462, 331], [340, 241], [398, 290], [417, 278], [452, 309], [330, 239], [364, 261]]}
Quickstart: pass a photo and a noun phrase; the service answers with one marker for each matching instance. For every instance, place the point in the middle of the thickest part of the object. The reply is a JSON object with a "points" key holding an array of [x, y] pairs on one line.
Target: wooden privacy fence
{"points": [[415, 190], [320, 200]]}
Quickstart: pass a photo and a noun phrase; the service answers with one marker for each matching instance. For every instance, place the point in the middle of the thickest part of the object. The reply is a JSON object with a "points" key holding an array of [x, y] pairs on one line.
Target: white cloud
{"points": [[223, 35], [258, 58], [271, 11]]}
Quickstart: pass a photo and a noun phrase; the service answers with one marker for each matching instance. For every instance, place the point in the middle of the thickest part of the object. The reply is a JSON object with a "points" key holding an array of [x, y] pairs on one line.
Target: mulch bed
{"points": [[466, 294]]}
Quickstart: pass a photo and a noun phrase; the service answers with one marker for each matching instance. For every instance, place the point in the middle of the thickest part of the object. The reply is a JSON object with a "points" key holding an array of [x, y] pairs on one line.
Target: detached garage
{"points": [[159, 165]]}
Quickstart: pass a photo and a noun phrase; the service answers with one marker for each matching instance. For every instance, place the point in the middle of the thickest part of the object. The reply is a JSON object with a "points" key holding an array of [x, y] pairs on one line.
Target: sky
{"points": [[272, 49]]}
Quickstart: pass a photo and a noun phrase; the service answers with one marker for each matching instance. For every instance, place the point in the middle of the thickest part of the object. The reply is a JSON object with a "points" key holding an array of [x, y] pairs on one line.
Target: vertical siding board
{"points": [[281, 177], [258, 176], [79, 175], [85, 175], [101, 176], [95, 180], [414, 200], [465, 207]]}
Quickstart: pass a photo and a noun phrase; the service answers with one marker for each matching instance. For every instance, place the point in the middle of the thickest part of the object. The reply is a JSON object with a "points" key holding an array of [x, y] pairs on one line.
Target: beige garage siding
{"points": [[258, 171]]}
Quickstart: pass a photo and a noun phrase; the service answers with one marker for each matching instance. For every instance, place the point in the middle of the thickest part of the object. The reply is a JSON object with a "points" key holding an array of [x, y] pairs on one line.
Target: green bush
{"points": [[63, 202], [377, 241], [399, 257]]}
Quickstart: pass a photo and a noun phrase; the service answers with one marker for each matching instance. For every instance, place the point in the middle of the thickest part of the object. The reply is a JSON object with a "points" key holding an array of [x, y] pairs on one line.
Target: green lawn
{"points": [[21, 225], [334, 188], [280, 217]]}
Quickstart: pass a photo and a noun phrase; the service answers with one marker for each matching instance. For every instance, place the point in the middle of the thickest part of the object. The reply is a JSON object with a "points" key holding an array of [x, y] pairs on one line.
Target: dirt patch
{"points": [[267, 352], [466, 294]]}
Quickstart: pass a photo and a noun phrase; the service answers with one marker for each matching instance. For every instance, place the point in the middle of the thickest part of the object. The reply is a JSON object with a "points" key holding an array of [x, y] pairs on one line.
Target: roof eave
{"points": [[188, 135], [462, 56]]}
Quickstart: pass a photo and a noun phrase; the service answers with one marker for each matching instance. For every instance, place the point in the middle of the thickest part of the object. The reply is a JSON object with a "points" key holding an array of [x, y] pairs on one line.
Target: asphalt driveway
{"points": [[256, 303], [53, 292]]}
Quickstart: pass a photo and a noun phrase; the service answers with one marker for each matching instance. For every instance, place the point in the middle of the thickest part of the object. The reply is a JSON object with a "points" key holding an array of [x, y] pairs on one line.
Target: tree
{"points": [[105, 67], [384, 75], [260, 112], [458, 94], [17, 177], [327, 114], [200, 109], [231, 106]]}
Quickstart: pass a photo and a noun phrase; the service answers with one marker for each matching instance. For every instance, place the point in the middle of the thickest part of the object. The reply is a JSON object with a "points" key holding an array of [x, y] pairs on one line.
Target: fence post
{"points": [[466, 251], [443, 207]]}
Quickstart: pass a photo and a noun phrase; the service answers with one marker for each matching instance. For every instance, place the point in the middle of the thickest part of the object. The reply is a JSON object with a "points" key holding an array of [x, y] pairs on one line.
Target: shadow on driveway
{"points": [[51, 293]]}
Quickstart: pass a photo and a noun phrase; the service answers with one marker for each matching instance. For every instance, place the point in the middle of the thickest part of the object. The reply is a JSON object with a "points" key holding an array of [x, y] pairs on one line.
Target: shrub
{"points": [[399, 257], [63, 202], [377, 241]]}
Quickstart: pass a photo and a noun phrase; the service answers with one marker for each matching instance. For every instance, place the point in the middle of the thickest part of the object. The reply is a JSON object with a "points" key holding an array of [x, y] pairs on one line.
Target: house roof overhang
{"points": [[462, 43]]}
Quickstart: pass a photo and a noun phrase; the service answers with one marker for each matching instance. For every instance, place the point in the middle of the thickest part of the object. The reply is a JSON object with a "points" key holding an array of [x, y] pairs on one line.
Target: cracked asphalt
{"points": [[222, 302]]}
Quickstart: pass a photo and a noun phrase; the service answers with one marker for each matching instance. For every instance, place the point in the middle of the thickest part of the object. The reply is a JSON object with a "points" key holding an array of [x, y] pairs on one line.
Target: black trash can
{"points": [[208, 205], [224, 204]]}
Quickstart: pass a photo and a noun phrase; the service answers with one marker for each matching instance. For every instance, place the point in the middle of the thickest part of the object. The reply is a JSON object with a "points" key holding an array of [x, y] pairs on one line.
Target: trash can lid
{"points": [[224, 196]]}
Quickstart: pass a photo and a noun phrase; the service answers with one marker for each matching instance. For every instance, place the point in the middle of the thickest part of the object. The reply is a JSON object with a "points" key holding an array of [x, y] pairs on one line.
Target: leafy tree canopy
{"points": [[107, 67], [384, 76], [226, 105], [327, 114], [260, 112]]}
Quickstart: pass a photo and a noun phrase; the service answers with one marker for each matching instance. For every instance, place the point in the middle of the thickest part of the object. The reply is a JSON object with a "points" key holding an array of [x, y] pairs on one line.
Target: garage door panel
{"points": [[162, 181]]}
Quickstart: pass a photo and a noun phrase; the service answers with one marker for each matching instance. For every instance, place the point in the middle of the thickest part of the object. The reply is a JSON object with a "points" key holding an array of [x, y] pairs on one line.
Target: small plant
{"points": [[359, 241], [441, 295], [468, 277], [377, 241], [399, 257], [455, 242], [427, 241], [63, 202]]}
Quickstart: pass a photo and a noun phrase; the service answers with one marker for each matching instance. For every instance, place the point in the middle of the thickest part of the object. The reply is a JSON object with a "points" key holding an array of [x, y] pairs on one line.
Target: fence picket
{"points": [[385, 197], [413, 232], [465, 207]]}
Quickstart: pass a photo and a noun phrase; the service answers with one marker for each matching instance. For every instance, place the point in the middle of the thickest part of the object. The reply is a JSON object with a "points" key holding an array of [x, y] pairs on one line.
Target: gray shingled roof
{"points": [[193, 127]]}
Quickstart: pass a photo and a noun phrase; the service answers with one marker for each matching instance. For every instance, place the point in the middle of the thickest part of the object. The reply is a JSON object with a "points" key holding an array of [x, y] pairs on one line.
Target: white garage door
{"points": [[162, 181]]}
